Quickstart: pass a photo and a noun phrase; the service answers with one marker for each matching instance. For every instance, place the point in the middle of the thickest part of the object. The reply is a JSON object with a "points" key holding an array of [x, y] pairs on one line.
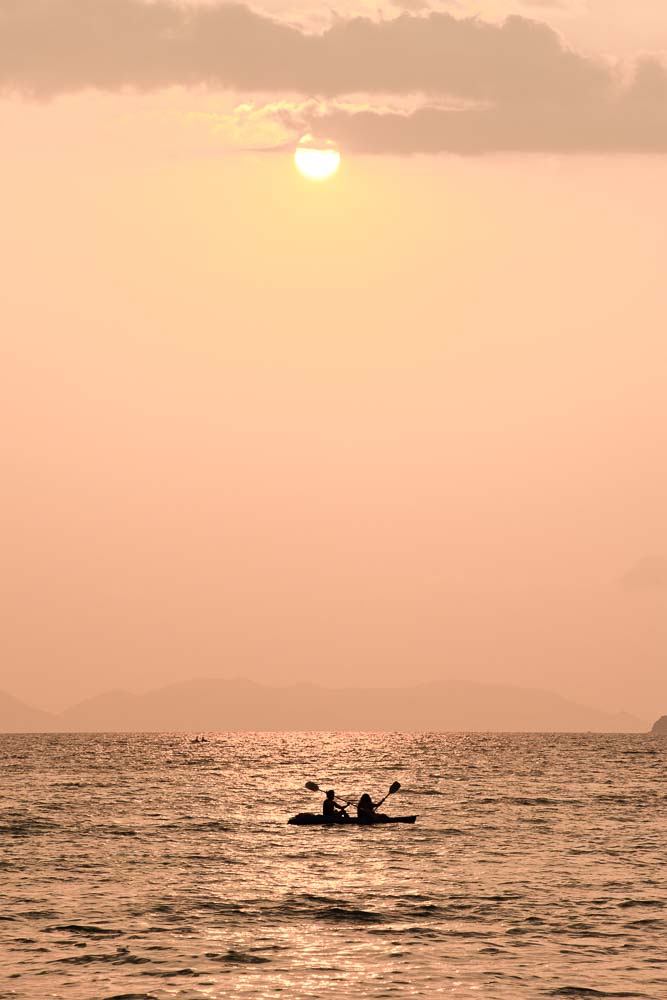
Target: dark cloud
{"points": [[481, 86], [67, 45], [630, 120]]}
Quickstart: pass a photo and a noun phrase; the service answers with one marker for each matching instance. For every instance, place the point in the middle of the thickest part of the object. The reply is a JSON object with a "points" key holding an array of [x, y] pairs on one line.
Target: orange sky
{"points": [[406, 424]]}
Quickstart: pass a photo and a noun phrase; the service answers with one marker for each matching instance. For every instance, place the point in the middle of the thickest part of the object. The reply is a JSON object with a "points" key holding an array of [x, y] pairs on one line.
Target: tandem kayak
{"points": [[317, 819]]}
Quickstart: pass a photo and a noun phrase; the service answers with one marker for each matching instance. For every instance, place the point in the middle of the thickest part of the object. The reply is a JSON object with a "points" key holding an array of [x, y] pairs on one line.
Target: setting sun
{"points": [[316, 164]]}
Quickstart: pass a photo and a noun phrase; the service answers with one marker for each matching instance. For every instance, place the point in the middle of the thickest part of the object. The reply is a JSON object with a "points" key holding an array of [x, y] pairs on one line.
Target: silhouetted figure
{"points": [[332, 810], [366, 810]]}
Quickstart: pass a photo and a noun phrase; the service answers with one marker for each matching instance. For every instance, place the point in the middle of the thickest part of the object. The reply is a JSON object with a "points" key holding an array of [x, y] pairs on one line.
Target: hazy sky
{"points": [[405, 424]]}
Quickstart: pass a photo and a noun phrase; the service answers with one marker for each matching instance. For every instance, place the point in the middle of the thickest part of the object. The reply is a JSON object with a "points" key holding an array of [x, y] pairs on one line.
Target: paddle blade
{"points": [[312, 786], [394, 788]]}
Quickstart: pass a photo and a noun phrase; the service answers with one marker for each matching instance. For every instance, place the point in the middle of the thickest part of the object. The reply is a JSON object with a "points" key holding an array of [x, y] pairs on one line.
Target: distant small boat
{"points": [[317, 819]]}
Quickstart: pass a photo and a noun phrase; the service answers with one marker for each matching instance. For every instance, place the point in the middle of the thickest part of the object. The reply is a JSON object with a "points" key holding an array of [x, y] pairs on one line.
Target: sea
{"points": [[147, 866]]}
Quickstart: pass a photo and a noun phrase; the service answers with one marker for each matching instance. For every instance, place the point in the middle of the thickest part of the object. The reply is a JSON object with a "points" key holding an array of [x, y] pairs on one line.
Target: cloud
{"points": [[68, 45], [633, 119], [481, 86]]}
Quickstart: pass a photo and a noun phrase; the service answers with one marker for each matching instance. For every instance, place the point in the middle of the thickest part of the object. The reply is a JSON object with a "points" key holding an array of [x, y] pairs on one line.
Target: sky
{"points": [[406, 424]]}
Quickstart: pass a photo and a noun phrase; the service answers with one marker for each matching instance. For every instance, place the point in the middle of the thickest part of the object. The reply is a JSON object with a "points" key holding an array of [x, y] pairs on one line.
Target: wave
{"points": [[122, 956], [28, 827], [353, 915], [132, 996], [236, 957], [585, 991], [86, 930], [628, 903]]}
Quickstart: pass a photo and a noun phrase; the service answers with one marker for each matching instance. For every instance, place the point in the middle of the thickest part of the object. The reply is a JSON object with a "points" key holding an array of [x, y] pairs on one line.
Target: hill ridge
{"points": [[209, 704]]}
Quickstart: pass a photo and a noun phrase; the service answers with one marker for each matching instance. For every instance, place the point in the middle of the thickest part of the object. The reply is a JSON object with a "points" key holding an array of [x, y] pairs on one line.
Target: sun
{"points": [[316, 164]]}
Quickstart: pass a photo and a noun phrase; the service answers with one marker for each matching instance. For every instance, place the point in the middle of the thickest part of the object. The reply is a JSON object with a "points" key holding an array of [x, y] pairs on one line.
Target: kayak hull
{"points": [[316, 819]]}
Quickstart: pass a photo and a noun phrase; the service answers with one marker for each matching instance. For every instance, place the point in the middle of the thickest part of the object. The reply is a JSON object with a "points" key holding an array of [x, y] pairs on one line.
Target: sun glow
{"points": [[316, 164]]}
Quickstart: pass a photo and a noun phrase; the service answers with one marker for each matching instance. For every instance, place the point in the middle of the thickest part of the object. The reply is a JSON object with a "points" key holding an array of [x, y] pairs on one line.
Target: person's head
{"points": [[365, 801], [331, 794]]}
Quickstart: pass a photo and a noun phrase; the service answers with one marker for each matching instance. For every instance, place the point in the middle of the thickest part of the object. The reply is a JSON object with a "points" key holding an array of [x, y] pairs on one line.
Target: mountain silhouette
{"points": [[16, 717], [211, 704]]}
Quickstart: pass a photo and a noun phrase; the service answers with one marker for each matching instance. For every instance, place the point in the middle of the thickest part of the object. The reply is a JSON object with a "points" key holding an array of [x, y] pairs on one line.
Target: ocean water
{"points": [[144, 866]]}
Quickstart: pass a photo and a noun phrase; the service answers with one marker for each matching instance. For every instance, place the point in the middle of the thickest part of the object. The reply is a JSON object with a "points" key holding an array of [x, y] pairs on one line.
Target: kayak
{"points": [[317, 819]]}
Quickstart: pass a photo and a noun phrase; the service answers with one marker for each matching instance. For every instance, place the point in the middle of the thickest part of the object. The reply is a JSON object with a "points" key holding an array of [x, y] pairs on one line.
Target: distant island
{"points": [[205, 705], [660, 727]]}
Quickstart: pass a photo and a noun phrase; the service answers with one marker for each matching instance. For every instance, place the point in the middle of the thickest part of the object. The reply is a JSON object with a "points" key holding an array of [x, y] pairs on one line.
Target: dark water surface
{"points": [[144, 866]]}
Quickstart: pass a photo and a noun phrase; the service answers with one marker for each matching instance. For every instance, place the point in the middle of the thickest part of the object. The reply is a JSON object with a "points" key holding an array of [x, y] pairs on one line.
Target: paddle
{"points": [[392, 791], [312, 786]]}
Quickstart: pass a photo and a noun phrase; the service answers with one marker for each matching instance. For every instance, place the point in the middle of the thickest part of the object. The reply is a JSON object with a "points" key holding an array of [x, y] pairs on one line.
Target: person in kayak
{"points": [[332, 810], [366, 810]]}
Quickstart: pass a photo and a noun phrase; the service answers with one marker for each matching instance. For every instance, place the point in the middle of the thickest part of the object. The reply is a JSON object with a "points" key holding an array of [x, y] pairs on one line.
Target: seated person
{"points": [[332, 810], [366, 810]]}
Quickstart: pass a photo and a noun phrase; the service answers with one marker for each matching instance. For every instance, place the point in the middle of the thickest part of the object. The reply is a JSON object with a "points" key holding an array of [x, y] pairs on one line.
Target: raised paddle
{"points": [[312, 786], [392, 791]]}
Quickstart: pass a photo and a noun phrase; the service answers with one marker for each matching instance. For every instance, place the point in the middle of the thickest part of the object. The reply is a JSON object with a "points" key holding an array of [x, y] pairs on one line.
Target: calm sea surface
{"points": [[143, 866]]}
